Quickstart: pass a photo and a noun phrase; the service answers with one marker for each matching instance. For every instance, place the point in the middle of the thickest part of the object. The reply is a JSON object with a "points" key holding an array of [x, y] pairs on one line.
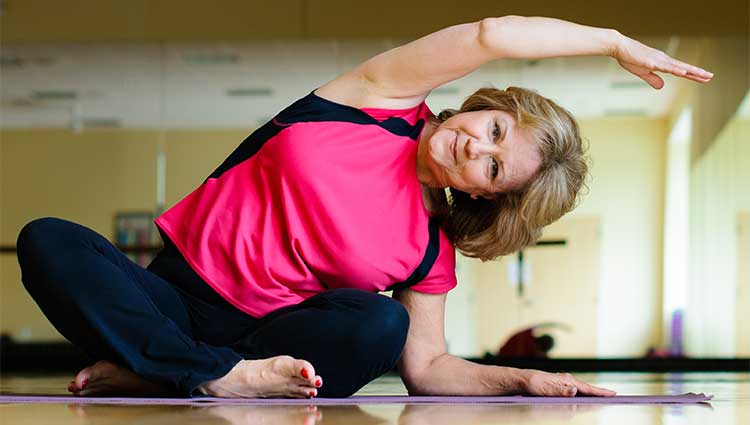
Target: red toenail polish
{"points": [[312, 393], [317, 383], [304, 374], [84, 383]]}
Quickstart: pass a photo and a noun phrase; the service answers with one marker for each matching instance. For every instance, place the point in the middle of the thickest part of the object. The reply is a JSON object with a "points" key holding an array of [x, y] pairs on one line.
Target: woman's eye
{"points": [[495, 168], [496, 131]]}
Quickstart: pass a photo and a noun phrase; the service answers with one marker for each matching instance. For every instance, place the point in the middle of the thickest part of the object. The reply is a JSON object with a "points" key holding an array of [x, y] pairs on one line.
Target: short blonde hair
{"points": [[488, 229]]}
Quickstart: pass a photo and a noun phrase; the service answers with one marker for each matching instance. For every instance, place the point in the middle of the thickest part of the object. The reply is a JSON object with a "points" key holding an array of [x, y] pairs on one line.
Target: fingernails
{"points": [[304, 373], [84, 383]]}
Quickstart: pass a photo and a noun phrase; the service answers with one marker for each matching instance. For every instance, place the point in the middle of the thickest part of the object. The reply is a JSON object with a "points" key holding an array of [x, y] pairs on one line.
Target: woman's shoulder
{"points": [[348, 91]]}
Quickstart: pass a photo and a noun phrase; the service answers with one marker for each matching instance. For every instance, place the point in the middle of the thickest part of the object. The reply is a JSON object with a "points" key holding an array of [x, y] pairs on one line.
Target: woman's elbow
{"points": [[414, 383], [492, 31]]}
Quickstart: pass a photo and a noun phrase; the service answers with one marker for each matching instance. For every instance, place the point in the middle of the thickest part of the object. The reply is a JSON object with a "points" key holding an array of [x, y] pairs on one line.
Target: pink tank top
{"points": [[323, 196]]}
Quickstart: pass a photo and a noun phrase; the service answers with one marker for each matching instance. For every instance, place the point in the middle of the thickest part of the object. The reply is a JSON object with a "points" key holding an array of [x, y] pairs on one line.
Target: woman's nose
{"points": [[476, 149]]}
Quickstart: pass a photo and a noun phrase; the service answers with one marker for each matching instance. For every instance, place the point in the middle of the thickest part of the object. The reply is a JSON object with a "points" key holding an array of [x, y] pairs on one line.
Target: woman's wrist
{"points": [[612, 41]]}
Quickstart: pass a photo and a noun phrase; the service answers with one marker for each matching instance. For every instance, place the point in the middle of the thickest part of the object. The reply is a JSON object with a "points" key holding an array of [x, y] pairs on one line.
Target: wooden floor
{"points": [[731, 405]]}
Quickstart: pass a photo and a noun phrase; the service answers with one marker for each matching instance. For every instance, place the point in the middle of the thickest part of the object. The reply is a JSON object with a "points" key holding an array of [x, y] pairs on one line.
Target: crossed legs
{"points": [[146, 331]]}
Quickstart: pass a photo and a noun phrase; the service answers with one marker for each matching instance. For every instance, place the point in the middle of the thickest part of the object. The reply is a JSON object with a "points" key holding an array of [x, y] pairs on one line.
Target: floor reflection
{"points": [[731, 406], [445, 414]]}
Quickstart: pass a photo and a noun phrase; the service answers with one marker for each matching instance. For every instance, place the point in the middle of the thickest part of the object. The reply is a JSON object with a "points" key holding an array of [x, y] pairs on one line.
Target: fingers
{"points": [[685, 70], [588, 389], [573, 387], [654, 80], [570, 391], [697, 79], [643, 61], [692, 71]]}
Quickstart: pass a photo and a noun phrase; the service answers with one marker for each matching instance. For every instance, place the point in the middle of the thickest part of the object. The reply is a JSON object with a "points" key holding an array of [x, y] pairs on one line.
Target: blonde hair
{"points": [[488, 229]]}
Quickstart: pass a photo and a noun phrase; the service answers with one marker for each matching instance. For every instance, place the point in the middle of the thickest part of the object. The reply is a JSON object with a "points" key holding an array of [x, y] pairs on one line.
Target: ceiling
{"points": [[241, 84], [39, 21]]}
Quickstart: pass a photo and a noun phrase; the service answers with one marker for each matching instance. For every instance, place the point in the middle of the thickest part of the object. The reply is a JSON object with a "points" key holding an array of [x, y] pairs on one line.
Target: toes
{"points": [[83, 378], [305, 370], [308, 392], [92, 373], [318, 382]]}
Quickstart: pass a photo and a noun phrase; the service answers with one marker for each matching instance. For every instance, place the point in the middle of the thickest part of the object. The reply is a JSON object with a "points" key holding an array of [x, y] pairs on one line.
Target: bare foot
{"points": [[280, 376], [106, 378]]}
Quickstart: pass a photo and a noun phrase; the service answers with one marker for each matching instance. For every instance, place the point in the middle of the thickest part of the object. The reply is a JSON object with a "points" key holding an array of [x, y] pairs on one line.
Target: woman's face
{"points": [[481, 153]]}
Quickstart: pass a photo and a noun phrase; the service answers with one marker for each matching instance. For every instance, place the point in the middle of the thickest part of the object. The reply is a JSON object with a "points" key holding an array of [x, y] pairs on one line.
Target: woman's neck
{"points": [[435, 201], [424, 174]]}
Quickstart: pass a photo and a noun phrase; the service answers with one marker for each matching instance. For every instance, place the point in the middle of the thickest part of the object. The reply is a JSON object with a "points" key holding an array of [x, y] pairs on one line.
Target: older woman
{"points": [[267, 283]]}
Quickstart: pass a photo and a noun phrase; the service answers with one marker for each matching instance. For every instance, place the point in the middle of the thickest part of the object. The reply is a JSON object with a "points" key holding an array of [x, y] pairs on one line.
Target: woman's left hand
{"points": [[644, 62], [546, 384]]}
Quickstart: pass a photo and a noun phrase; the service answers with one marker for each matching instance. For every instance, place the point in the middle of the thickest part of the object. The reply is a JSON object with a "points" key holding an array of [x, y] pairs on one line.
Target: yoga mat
{"points": [[388, 399]]}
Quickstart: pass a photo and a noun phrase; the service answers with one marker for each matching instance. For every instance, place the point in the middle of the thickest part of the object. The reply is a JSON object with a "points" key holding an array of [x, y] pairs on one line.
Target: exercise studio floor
{"points": [[731, 405]]}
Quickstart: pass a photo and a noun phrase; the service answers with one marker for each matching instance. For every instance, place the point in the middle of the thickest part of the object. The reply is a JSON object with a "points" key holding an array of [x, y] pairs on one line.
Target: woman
{"points": [[267, 283]]}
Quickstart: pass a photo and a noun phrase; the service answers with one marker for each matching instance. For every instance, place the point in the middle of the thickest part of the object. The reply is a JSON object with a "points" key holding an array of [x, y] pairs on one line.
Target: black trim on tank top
{"points": [[313, 108], [433, 248]]}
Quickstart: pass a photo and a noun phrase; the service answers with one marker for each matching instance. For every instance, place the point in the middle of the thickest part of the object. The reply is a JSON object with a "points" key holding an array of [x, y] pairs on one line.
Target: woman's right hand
{"points": [[644, 61], [546, 384]]}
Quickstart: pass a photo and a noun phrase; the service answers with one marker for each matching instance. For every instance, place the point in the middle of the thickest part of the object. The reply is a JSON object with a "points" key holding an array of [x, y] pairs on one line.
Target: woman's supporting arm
{"points": [[404, 76], [427, 369]]}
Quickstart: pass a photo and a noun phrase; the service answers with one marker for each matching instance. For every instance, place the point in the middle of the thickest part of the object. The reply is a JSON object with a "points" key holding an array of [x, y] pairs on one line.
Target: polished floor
{"points": [[731, 405]]}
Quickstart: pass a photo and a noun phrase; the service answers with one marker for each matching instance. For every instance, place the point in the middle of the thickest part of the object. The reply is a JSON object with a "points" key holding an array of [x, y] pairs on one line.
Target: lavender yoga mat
{"points": [[388, 399]]}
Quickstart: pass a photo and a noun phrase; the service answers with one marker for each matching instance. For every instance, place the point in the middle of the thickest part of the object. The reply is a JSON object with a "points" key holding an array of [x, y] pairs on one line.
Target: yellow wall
{"points": [[87, 177], [627, 192]]}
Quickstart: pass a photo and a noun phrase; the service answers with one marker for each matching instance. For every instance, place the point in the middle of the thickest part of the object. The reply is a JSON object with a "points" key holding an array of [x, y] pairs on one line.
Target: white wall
{"points": [[719, 190]]}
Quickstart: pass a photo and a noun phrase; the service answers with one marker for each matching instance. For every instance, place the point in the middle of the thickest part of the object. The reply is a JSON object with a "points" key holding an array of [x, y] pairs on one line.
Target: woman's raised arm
{"points": [[405, 75]]}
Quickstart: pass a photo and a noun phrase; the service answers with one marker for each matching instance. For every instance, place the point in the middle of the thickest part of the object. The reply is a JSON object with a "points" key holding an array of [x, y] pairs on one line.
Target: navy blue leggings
{"points": [[171, 328]]}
